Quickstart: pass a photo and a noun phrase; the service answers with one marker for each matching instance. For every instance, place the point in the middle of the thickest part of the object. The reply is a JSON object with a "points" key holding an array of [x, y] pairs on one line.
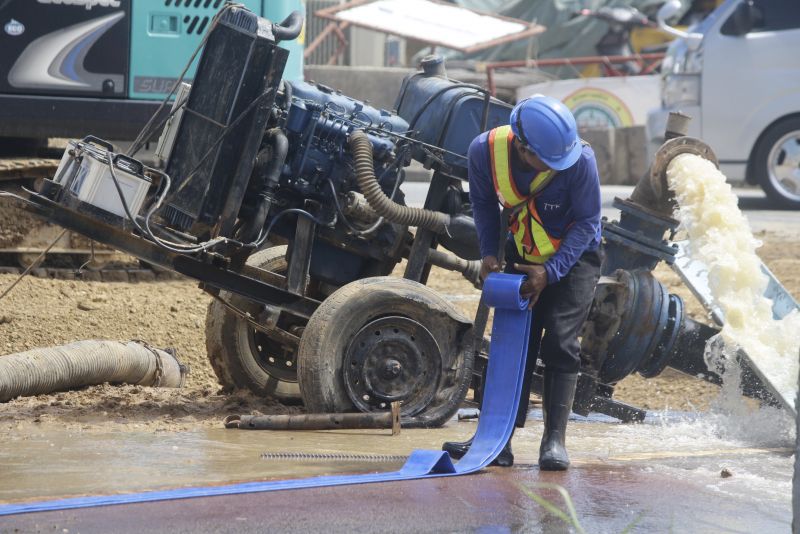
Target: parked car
{"points": [[737, 74]]}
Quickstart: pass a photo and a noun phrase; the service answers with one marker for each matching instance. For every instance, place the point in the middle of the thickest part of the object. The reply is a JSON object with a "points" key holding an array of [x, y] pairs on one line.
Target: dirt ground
{"points": [[43, 312]]}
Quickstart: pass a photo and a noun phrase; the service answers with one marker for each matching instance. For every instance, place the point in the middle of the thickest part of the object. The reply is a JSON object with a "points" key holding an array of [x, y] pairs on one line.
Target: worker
{"points": [[546, 180]]}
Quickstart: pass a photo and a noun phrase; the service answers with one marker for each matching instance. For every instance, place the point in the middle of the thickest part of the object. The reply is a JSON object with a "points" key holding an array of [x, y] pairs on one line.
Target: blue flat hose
{"points": [[507, 354]]}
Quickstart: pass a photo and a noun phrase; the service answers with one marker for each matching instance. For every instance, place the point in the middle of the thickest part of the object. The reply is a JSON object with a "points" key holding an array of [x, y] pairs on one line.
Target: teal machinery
{"points": [[120, 61], [165, 33]]}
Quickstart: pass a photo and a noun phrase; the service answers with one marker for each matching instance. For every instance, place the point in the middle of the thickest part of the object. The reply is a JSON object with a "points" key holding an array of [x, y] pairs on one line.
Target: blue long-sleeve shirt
{"points": [[569, 206]]}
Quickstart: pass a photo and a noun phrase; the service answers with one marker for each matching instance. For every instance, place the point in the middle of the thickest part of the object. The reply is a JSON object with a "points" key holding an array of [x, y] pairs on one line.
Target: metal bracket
{"points": [[300, 261]]}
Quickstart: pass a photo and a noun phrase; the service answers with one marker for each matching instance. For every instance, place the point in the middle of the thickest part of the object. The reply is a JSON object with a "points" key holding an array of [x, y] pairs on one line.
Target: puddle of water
{"points": [[52, 463], [754, 446]]}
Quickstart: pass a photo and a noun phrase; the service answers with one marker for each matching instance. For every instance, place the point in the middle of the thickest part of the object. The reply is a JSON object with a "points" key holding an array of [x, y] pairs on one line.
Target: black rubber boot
{"points": [[506, 457], [558, 394], [458, 449]]}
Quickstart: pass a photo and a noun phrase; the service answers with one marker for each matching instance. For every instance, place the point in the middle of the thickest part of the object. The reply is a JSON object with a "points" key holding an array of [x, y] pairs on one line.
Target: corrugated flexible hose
{"points": [[361, 149], [87, 363]]}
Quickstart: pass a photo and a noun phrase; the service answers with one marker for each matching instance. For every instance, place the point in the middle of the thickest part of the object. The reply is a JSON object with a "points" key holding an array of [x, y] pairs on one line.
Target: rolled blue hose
{"points": [[501, 291], [507, 354]]}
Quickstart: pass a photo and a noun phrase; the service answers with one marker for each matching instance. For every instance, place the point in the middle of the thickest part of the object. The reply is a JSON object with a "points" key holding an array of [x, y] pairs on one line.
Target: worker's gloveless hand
{"points": [[489, 264], [536, 282]]}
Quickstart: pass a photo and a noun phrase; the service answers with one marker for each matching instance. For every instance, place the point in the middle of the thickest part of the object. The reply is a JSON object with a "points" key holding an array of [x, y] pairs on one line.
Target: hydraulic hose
{"points": [[271, 173], [87, 363], [361, 149], [289, 29]]}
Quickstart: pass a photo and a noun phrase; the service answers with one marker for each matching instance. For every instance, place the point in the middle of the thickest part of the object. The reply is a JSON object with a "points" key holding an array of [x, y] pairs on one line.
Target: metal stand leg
{"points": [[418, 266], [300, 262]]}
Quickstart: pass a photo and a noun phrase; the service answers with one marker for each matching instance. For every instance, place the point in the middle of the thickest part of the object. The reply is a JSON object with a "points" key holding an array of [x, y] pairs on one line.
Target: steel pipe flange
{"points": [[668, 151], [392, 359]]}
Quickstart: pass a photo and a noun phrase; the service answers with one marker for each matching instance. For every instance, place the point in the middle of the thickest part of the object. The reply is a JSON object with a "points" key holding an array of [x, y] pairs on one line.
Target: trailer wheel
{"points": [[383, 339], [243, 357]]}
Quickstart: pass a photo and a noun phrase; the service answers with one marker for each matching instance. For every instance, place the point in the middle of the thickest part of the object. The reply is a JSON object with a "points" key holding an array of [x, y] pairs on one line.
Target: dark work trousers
{"points": [[558, 317]]}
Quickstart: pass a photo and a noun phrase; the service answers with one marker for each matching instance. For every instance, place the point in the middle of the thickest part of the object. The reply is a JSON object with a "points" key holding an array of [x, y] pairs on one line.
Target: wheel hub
{"points": [[272, 357], [392, 359]]}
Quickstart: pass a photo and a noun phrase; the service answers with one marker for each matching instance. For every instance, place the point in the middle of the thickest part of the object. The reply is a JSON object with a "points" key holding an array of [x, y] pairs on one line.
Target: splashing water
{"points": [[720, 237]]}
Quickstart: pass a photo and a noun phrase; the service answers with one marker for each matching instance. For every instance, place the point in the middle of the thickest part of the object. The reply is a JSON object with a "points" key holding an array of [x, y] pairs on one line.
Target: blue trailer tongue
{"points": [[507, 356]]}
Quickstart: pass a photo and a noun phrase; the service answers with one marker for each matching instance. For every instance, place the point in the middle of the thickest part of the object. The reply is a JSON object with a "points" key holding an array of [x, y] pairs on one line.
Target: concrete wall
{"points": [[379, 85], [621, 153]]}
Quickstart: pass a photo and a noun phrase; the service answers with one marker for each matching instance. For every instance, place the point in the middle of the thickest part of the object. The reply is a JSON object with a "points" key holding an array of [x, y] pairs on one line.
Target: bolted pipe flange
{"points": [[669, 151], [644, 315], [659, 359]]}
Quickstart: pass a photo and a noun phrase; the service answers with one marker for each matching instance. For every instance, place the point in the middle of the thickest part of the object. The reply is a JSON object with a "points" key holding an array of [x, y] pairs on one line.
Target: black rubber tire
{"points": [[760, 162], [339, 318], [229, 340]]}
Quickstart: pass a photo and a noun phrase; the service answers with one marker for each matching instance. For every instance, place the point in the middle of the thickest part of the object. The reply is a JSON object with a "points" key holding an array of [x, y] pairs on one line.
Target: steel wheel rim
{"points": [[274, 359], [783, 166], [390, 359]]}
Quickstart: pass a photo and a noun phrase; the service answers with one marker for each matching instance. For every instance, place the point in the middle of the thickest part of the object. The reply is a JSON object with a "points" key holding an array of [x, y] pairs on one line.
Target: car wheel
{"points": [[776, 162]]}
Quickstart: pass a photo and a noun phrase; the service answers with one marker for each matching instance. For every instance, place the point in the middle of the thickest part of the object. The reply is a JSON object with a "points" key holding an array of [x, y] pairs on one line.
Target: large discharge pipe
{"points": [[87, 363], [635, 324]]}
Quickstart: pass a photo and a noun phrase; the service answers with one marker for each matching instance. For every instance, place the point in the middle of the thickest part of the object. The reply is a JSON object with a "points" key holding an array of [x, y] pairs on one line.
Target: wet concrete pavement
{"points": [[661, 476], [608, 498]]}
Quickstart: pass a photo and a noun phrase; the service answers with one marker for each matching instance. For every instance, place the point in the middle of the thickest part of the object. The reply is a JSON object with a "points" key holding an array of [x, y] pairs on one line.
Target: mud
{"points": [[43, 312], [14, 223]]}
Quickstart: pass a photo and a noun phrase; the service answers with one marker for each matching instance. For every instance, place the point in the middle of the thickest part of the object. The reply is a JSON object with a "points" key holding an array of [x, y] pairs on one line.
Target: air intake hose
{"points": [[361, 149], [87, 363], [289, 29]]}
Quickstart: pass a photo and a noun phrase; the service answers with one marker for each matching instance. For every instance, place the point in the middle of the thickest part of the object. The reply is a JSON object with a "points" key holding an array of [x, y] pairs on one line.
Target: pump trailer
{"points": [[284, 200]]}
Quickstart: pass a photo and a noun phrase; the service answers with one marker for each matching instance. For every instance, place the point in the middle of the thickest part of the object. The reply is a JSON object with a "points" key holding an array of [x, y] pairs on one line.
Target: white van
{"points": [[737, 74]]}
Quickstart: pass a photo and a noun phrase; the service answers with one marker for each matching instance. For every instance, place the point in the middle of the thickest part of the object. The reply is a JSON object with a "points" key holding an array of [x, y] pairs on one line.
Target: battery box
{"points": [[85, 171]]}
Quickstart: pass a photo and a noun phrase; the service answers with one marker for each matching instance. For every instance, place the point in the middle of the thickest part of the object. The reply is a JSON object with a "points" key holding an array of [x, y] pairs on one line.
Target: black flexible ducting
{"points": [[86, 363], [289, 29], [361, 149], [271, 174]]}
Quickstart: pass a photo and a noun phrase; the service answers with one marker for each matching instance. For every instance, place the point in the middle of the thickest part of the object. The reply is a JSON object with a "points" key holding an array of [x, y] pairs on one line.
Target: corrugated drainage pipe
{"points": [[87, 363], [377, 199]]}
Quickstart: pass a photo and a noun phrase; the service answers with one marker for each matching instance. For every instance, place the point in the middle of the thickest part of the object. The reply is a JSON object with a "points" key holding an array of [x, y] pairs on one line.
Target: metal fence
{"points": [[314, 27]]}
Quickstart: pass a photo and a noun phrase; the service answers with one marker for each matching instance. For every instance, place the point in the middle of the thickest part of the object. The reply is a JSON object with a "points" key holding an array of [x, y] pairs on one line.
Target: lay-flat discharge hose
{"points": [[361, 149], [505, 373], [87, 363]]}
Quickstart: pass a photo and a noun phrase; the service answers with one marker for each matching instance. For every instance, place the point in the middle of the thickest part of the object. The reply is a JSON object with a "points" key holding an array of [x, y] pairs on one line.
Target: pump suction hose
{"points": [[271, 172], [87, 363], [289, 29], [361, 148]]}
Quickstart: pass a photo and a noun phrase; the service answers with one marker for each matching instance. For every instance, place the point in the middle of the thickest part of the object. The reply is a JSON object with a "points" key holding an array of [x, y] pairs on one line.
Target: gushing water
{"points": [[720, 237]]}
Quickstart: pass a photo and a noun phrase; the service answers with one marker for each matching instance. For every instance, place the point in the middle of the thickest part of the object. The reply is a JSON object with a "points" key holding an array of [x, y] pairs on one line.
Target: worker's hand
{"points": [[489, 264], [535, 284]]}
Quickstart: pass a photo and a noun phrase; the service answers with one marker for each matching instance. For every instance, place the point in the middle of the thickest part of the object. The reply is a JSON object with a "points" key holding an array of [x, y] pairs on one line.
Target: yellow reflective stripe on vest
{"points": [[533, 242], [541, 180], [504, 182], [540, 236]]}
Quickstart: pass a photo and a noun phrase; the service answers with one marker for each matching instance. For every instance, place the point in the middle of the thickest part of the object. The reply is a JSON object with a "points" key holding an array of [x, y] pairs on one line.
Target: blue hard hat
{"points": [[547, 127]]}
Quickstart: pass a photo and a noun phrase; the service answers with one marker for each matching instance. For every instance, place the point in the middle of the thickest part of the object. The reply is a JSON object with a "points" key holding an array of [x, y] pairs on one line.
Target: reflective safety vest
{"points": [[532, 240]]}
